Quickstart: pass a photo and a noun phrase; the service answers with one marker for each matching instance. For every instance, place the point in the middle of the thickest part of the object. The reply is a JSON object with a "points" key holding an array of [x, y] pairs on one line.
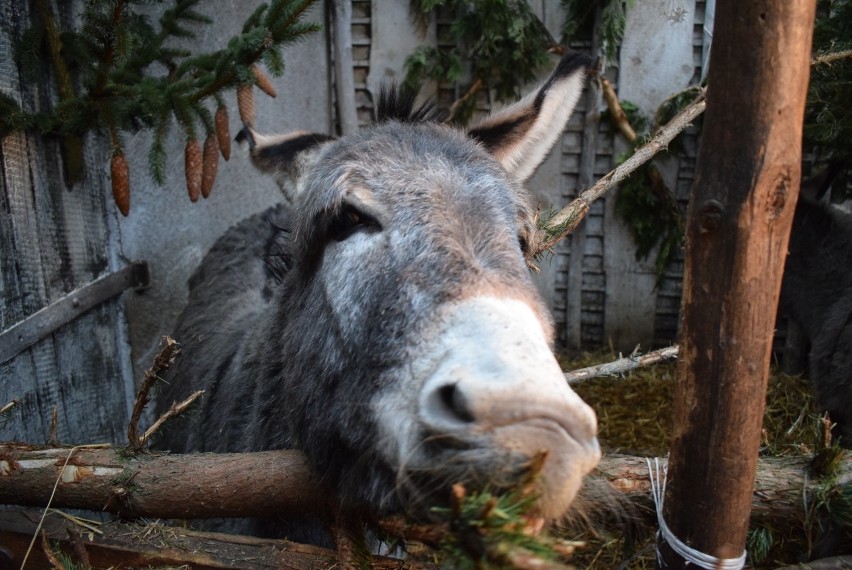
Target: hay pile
{"points": [[634, 415]]}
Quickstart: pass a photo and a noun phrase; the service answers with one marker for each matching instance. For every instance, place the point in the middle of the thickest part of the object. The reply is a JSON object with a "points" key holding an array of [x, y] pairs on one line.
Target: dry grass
{"points": [[634, 414]]}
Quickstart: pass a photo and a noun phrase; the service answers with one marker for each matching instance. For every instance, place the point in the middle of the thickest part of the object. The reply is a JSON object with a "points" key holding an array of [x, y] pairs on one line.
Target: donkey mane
{"points": [[399, 103]]}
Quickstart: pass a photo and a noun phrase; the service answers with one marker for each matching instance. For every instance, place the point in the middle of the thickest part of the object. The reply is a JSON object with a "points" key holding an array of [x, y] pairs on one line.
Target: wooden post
{"points": [[745, 191]]}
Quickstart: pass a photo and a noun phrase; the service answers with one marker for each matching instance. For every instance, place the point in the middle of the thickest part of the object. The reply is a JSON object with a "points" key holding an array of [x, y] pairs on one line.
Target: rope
{"points": [[688, 554]]}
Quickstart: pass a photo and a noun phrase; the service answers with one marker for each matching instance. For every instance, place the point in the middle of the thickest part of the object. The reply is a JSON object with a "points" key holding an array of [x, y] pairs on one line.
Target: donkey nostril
{"points": [[454, 403]]}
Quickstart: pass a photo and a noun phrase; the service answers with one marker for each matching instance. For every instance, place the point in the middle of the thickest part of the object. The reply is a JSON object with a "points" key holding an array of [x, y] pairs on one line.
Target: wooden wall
{"points": [[54, 239]]}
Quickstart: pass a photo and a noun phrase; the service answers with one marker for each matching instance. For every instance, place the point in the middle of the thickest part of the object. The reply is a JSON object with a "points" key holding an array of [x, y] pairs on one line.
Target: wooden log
{"points": [[122, 545], [281, 482], [783, 488], [200, 485], [742, 206]]}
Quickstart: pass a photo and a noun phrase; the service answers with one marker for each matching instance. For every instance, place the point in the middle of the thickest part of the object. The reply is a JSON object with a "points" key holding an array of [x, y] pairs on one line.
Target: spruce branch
{"points": [[162, 362], [561, 224], [116, 54], [622, 365], [831, 57], [645, 203], [72, 144], [499, 45]]}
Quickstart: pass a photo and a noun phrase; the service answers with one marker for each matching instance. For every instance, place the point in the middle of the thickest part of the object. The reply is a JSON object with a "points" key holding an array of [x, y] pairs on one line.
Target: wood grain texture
{"points": [[54, 239], [739, 221]]}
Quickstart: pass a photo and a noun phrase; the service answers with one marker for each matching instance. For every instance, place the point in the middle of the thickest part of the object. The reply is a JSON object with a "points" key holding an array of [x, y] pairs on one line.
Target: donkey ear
{"points": [[283, 156], [521, 135]]}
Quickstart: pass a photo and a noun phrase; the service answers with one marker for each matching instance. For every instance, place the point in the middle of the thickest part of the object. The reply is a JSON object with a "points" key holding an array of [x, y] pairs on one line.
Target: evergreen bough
{"points": [[828, 114], [496, 44], [127, 76]]}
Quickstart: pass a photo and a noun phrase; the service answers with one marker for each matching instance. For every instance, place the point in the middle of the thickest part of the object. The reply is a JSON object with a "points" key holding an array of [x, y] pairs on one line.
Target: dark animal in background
{"points": [[816, 293], [383, 318]]}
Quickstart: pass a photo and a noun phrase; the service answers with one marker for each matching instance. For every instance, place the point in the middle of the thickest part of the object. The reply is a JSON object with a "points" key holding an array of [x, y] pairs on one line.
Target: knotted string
{"points": [[690, 555]]}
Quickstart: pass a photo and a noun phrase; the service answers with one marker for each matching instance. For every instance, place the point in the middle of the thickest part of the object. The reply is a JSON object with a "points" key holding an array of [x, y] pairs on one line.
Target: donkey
{"points": [[816, 292], [382, 318]]}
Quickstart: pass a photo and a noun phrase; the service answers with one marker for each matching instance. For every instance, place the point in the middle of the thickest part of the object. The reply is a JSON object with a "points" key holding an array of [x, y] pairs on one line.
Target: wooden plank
{"points": [[43, 322]]}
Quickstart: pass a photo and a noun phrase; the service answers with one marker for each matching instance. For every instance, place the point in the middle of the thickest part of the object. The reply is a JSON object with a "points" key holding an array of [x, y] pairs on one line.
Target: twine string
{"points": [[687, 553]]}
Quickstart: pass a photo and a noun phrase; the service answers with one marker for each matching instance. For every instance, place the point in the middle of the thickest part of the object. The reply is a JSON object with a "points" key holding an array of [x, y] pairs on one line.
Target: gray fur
{"points": [[817, 293], [353, 340]]}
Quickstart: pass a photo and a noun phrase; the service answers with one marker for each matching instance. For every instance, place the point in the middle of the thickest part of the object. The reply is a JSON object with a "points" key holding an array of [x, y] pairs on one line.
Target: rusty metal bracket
{"points": [[43, 322]]}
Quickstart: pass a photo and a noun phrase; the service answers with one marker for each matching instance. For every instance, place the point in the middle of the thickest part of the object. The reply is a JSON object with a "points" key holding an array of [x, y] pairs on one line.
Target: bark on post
{"points": [[745, 191]]}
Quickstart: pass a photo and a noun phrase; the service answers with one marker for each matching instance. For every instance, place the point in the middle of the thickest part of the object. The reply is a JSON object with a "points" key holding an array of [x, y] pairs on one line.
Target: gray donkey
{"points": [[817, 293], [383, 319]]}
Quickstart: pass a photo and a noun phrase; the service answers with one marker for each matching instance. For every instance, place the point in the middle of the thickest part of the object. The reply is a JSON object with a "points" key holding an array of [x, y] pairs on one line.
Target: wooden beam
{"points": [[745, 191], [281, 482], [199, 485]]}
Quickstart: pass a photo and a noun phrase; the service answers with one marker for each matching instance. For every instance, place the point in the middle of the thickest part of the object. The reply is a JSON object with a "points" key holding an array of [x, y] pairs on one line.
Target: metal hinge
{"points": [[43, 322]]}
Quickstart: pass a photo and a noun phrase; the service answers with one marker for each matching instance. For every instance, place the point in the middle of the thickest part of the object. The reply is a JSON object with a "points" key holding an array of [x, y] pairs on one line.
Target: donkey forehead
{"points": [[413, 170]]}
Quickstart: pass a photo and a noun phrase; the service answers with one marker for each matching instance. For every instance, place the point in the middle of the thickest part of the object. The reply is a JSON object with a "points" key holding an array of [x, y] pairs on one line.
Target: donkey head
{"points": [[411, 348]]}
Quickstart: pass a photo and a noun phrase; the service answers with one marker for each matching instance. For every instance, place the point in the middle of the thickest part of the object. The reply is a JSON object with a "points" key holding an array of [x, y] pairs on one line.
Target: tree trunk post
{"points": [[746, 186]]}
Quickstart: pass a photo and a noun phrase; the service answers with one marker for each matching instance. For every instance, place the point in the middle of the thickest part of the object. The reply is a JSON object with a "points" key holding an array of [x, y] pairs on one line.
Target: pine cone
{"points": [[245, 102], [263, 82], [210, 164], [120, 183], [223, 135], [193, 167]]}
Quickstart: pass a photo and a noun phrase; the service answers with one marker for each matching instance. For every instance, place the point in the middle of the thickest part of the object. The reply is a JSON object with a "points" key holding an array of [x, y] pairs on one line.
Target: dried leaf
{"points": [[193, 168], [120, 175]]}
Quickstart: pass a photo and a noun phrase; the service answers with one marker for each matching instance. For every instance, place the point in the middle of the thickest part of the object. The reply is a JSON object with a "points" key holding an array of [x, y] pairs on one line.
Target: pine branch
{"points": [[72, 144], [163, 361], [106, 62], [114, 52], [831, 57], [567, 219], [622, 365]]}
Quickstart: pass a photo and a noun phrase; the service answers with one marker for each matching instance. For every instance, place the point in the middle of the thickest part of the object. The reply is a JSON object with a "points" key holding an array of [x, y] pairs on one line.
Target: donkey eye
{"points": [[350, 221]]}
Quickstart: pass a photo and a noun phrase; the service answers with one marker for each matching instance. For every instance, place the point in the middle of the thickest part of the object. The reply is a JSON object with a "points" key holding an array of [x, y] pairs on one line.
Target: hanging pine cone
{"points": [[245, 102], [193, 167], [223, 135], [263, 82], [210, 164], [120, 182]]}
